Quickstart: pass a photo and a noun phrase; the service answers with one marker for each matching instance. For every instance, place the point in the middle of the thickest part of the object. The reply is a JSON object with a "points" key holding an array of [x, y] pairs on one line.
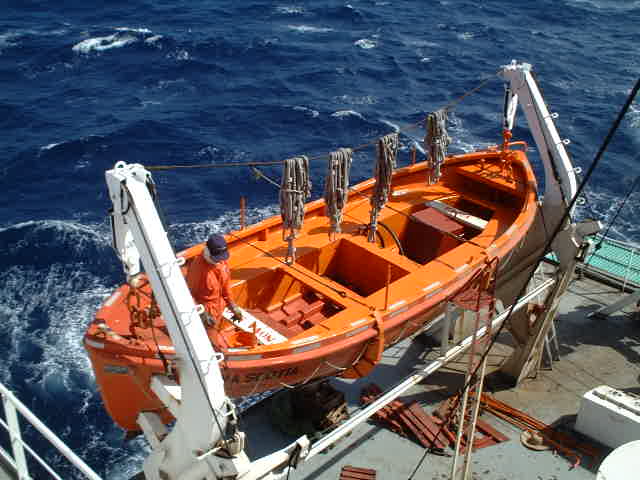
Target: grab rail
{"points": [[18, 462]]}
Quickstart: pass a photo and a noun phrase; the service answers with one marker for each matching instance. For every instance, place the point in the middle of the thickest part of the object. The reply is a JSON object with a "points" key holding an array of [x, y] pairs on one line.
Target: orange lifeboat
{"points": [[344, 300]]}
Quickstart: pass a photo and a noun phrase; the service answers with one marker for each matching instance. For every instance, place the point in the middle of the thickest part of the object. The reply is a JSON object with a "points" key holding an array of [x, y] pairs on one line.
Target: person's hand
{"points": [[237, 313]]}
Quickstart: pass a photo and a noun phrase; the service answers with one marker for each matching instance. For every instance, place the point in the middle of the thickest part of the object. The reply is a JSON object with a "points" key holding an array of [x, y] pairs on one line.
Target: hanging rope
{"points": [[336, 186], [295, 189], [385, 165], [436, 143]]}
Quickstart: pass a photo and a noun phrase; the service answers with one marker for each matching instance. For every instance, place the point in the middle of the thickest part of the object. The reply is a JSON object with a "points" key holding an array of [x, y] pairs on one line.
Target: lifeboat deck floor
{"points": [[593, 352]]}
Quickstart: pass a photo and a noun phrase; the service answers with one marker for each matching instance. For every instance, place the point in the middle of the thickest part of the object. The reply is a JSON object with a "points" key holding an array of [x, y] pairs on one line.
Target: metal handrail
{"points": [[13, 406]]}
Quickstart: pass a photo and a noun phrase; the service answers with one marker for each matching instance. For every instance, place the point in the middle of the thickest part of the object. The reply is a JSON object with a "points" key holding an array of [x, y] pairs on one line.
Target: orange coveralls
{"points": [[210, 285]]}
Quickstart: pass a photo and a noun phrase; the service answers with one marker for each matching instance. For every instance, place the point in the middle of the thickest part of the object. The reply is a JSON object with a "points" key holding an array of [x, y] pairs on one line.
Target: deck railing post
{"points": [[446, 328], [15, 438]]}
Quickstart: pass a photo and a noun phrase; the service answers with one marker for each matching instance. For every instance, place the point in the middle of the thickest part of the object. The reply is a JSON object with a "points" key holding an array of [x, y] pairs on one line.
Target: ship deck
{"points": [[593, 352]]}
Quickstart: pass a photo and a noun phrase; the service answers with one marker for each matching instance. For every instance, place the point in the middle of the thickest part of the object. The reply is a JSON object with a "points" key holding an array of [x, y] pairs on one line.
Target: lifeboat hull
{"points": [[345, 299]]}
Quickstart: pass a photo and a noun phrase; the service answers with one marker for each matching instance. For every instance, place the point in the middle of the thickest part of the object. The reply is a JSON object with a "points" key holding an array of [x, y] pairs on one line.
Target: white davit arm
{"points": [[196, 448], [199, 403], [560, 179]]}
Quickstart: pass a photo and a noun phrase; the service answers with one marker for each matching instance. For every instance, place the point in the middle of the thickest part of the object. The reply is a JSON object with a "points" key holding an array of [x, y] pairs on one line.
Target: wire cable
{"points": [[598, 245], [412, 126]]}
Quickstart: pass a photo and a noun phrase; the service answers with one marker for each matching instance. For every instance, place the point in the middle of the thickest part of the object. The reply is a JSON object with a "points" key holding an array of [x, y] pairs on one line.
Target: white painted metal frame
{"points": [[199, 403], [560, 179], [13, 406]]}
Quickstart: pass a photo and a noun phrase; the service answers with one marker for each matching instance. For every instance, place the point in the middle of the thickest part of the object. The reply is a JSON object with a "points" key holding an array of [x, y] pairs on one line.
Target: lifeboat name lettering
{"points": [[261, 376]]}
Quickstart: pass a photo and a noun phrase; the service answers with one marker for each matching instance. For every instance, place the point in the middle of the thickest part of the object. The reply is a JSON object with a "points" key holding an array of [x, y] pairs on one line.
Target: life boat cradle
{"points": [[345, 300]]}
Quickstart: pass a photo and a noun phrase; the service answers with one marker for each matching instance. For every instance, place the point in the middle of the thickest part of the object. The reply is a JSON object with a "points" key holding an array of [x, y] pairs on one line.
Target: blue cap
{"points": [[217, 246]]}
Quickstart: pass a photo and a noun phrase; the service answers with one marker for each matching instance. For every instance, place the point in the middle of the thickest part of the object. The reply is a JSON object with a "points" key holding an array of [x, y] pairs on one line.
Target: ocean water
{"points": [[84, 84]]}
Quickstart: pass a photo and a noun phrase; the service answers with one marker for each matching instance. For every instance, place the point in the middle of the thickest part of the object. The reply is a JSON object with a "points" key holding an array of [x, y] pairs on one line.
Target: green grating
{"points": [[617, 259]]}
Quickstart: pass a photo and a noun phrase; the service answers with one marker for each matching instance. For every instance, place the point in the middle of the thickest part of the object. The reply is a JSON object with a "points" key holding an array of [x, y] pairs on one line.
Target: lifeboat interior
{"points": [[285, 298]]}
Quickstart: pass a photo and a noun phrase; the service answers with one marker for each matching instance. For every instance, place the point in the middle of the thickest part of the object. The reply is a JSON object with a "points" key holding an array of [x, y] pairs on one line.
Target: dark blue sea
{"points": [[84, 84]]}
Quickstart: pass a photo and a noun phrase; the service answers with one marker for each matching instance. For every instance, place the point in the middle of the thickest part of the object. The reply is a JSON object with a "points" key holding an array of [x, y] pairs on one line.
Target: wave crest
{"points": [[347, 113], [366, 43], [310, 29], [122, 37]]}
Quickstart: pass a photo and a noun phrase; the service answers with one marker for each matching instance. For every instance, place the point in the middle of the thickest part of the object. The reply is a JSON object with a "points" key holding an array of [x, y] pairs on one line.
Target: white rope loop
{"points": [[336, 186], [295, 189], [385, 165], [436, 143]]}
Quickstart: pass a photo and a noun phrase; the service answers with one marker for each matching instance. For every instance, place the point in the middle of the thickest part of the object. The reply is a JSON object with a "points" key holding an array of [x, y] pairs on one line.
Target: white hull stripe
{"points": [[432, 286], [397, 304], [93, 343], [356, 331]]}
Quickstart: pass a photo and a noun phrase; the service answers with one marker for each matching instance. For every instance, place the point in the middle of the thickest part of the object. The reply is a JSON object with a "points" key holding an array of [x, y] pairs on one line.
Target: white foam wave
{"points": [[394, 126], [366, 43], [73, 233], [153, 40], [190, 233], [309, 29], [7, 40], [146, 103], [162, 84], [346, 113], [462, 138], [100, 44], [136, 30], [419, 43], [364, 100], [634, 115], [608, 4], [308, 111], [63, 298], [179, 55], [466, 35], [50, 146], [604, 206], [122, 37], [290, 9]]}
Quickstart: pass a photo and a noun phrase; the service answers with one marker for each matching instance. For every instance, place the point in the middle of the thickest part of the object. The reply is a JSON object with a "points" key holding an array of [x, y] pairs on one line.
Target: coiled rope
{"points": [[385, 165], [295, 189], [436, 143], [336, 186]]}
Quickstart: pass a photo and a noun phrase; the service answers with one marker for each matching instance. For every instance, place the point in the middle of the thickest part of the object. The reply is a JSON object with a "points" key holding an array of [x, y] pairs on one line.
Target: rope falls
{"points": [[336, 186], [295, 190], [385, 165], [436, 142]]}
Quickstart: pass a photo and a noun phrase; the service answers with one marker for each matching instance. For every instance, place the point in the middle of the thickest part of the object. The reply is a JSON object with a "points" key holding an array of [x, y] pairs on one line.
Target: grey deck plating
{"points": [[592, 352]]}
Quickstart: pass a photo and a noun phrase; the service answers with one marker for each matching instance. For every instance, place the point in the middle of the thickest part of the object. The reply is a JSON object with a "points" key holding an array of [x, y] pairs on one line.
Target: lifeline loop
{"points": [[436, 143], [336, 186], [385, 164], [295, 189]]}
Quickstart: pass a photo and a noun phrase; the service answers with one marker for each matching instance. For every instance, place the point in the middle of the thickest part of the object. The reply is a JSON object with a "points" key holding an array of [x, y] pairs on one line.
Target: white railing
{"points": [[18, 460]]}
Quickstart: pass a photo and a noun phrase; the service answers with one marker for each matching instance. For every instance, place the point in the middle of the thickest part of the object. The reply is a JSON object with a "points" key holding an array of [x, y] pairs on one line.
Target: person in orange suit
{"points": [[209, 278]]}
